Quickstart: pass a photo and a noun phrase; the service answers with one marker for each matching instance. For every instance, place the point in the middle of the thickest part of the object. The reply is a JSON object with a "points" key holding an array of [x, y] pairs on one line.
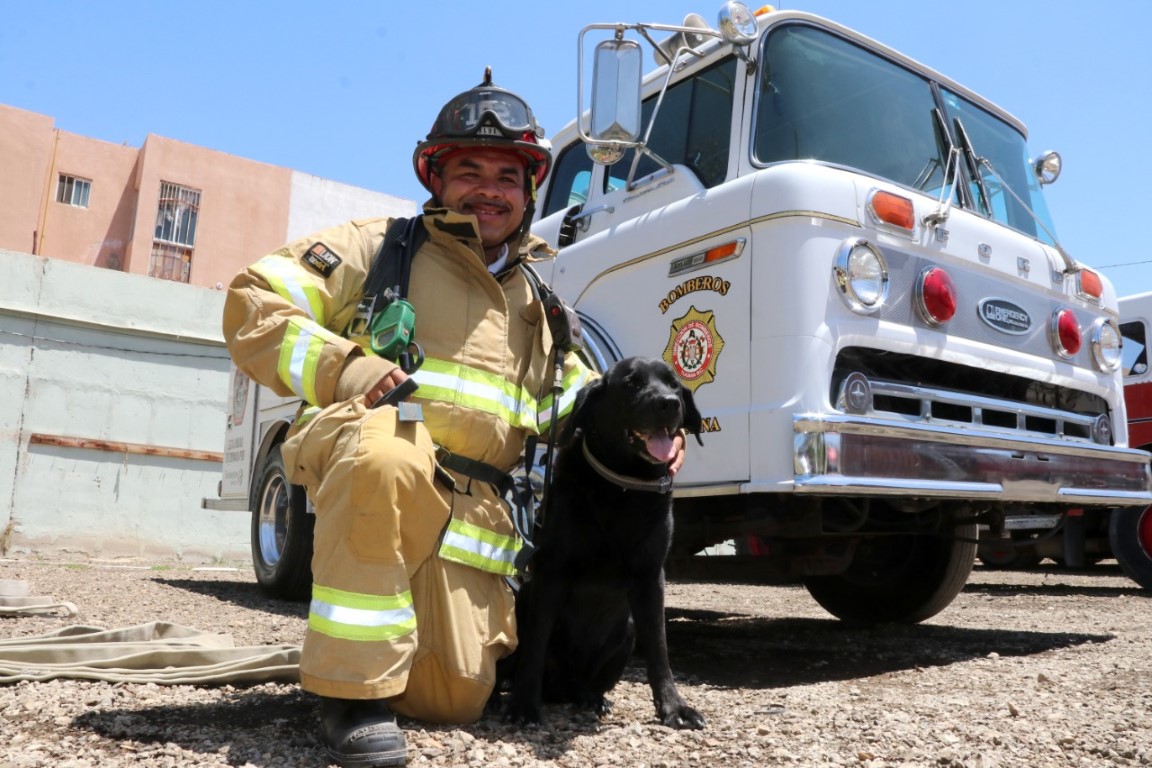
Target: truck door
{"points": [[1137, 376], [239, 436], [664, 267]]}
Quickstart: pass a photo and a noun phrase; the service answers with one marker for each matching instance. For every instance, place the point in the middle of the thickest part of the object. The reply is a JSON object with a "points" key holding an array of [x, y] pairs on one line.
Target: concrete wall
{"points": [[113, 390]]}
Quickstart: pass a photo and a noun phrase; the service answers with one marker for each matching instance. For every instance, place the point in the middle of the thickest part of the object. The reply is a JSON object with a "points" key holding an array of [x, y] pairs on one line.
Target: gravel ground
{"points": [[1045, 668]]}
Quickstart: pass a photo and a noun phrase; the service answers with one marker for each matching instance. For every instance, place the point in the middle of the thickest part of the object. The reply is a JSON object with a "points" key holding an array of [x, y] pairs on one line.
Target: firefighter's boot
{"points": [[361, 733]]}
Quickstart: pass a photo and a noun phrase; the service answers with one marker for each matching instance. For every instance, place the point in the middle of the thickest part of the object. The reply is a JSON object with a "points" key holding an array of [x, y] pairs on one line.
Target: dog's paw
{"points": [[682, 717], [495, 703], [520, 713], [603, 707]]}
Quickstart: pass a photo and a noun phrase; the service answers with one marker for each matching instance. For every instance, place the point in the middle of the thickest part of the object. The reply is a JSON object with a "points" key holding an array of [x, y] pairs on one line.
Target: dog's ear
{"points": [[693, 421], [581, 410]]}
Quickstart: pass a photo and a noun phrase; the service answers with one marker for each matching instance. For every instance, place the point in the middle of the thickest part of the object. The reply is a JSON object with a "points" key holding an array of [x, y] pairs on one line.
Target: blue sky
{"points": [[343, 90]]}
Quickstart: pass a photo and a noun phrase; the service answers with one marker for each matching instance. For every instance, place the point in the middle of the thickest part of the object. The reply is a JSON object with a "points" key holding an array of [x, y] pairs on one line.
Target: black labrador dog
{"points": [[596, 581]]}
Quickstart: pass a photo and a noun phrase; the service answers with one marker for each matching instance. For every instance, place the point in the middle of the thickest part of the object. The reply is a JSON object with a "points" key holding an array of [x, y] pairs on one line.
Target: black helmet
{"points": [[485, 116]]}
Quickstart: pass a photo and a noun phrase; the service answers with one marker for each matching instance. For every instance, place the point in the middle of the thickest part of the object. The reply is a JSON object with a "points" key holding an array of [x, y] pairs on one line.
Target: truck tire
{"points": [[281, 533], [899, 579], [1130, 534]]}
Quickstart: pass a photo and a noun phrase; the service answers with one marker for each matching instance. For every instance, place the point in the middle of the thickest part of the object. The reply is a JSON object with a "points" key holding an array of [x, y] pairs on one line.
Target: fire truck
{"points": [[1130, 529], [848, 259]]}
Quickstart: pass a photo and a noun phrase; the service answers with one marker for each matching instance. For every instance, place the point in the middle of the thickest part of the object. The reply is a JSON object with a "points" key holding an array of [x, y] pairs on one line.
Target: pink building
{"points": [[168, 209]]}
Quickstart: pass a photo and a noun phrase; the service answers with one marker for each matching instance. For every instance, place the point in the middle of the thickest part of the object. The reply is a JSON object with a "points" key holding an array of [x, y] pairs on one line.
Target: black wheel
{"points": [[903, 578], [1130, 534], [281, 533]]}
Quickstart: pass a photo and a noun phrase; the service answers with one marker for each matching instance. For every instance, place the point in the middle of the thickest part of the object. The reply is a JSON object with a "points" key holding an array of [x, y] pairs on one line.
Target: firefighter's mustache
{"points": [[470, 205]]}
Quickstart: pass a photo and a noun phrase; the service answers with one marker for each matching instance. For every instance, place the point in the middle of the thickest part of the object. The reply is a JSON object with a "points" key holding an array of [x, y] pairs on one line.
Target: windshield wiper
{"points": [[975, 162], [949, 185]]}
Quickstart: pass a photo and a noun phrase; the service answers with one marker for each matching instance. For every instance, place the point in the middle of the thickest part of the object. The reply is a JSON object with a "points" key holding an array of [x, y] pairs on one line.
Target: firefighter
{"points": [[411, 606]]}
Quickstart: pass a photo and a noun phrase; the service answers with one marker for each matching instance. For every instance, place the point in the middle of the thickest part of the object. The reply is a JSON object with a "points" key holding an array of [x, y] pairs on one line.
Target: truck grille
{"points": [[919, 390]]}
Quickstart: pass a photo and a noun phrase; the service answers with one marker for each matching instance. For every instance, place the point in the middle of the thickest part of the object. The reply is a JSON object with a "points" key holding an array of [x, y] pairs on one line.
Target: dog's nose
{"points": [[668, 402]]}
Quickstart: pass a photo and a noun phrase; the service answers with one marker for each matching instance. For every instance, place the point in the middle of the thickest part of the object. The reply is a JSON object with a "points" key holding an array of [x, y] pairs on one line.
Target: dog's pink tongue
{"points": [[660, 447]]}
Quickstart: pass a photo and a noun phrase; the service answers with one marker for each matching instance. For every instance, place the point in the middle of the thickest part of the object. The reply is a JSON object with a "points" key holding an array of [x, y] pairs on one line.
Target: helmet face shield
{"points": [[485, 112], [490, 117]]}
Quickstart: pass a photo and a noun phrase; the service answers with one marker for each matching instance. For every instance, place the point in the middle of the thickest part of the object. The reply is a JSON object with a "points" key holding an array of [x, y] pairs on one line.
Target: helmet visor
{"points": [[485, 108]]}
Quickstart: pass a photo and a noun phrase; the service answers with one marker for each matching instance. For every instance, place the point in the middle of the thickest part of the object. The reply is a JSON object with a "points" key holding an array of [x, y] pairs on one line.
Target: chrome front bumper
{"points": [[845, 454]]}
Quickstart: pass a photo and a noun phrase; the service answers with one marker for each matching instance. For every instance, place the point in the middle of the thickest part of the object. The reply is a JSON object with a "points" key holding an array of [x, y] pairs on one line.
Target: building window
{"points": [[73, 191], [175, 236], [170, 262]]}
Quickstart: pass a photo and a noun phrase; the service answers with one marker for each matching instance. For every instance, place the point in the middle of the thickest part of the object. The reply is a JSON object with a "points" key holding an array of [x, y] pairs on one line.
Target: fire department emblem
{"points": [[239, 397], [693, 347]]}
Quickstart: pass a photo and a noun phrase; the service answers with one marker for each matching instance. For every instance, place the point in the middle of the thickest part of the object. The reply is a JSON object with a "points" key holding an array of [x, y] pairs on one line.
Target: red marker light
{"points": [[1065, 331], [936, 296]]}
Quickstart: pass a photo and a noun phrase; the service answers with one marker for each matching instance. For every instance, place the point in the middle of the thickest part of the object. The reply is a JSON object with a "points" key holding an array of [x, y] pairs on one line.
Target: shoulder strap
{"points": [[540, 289], [392, 267]]}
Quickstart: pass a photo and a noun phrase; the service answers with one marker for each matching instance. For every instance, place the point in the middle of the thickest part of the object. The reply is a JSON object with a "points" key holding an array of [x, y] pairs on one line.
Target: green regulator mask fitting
{"points": [[391, 335]]}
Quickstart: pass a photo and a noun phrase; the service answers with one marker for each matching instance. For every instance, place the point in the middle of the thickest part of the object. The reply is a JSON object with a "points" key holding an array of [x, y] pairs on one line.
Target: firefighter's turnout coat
{"points": [[409, 596]]}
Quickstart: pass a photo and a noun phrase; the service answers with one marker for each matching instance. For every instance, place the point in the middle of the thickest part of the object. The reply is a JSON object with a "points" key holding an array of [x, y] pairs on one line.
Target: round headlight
{"points": [[737, 23], [861, 275], [1106, 345]]}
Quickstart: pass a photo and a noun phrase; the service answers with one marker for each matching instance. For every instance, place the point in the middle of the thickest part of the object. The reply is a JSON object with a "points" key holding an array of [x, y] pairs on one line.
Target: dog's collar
{"points": [[663, 485]]}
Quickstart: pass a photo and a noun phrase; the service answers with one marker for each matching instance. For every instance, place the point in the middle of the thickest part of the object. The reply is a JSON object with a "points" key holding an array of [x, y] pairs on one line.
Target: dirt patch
{"points": [[1040, 668]]}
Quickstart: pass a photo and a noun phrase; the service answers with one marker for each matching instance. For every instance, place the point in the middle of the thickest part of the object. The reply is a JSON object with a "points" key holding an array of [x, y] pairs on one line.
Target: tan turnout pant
{"points": [[380, 513]]}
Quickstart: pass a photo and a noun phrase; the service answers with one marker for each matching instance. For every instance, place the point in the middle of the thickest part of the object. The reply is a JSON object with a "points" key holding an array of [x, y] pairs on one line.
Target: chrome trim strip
{"points": [[1127, 496], [837, 484], [706, 491]]}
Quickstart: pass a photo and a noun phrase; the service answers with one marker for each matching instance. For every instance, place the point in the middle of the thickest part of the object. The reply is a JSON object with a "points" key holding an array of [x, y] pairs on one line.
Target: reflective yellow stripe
{"points": [[478, 390], [292, 284], [472, 545], [300, 354], [356, 616], [573, 381], [307, 414]]}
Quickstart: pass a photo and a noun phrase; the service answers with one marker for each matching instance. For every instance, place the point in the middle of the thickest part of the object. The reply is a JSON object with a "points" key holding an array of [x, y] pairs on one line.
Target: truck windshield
{"points": [[821, 97], [1005, 168]]}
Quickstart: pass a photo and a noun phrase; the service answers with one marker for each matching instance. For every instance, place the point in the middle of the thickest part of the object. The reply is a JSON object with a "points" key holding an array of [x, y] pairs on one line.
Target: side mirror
{"points": [[616, 92]]}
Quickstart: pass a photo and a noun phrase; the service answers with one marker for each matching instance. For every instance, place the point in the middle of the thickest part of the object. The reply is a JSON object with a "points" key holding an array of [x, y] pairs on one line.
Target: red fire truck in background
{"points": [[1131, 528]]}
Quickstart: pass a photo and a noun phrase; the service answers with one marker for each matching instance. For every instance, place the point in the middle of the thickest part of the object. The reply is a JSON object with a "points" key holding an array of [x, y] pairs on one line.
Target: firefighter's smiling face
{"points": [[487, 184]]}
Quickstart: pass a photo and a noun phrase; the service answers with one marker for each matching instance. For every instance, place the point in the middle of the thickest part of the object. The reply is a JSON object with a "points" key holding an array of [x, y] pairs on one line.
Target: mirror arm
{"points": [[581, 220], [643, 32]]}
